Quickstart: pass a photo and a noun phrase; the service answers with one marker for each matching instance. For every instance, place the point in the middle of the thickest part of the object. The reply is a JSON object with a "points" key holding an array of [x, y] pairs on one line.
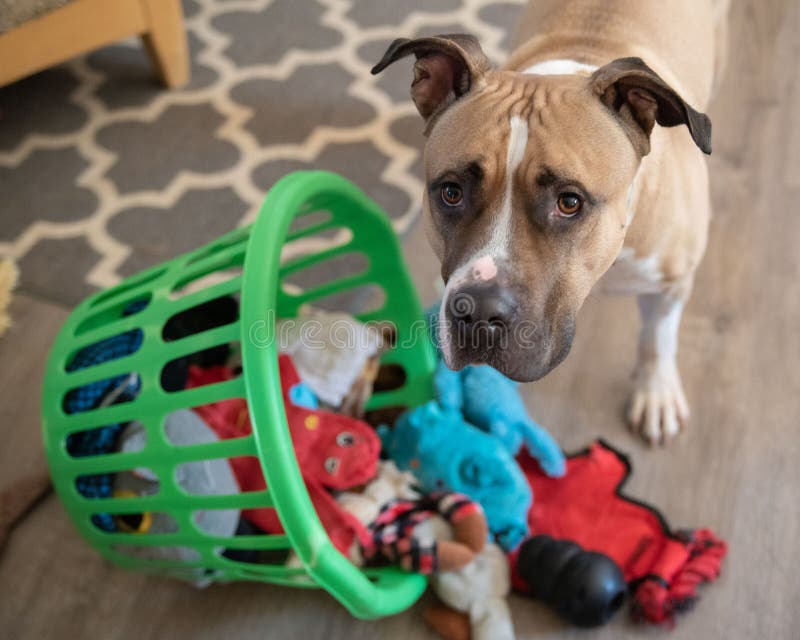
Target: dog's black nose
{"points": [[481, 313]]}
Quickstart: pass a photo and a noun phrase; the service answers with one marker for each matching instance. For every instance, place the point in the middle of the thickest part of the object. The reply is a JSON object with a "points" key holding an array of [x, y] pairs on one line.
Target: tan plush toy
{"points": [[8, 280], [469, 574], [474, 605]]}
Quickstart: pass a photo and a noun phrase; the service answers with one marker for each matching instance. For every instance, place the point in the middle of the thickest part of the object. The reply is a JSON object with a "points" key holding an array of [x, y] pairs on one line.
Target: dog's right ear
{"points": [[447, 67], [641, 99]]}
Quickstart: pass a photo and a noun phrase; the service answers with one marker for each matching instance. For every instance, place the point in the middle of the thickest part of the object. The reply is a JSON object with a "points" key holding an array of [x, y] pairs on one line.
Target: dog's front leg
{"points": [[658, 407]]}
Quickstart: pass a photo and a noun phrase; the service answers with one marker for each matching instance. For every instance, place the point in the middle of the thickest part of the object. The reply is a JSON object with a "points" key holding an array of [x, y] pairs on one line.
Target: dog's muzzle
{"points": [[481, 316]]}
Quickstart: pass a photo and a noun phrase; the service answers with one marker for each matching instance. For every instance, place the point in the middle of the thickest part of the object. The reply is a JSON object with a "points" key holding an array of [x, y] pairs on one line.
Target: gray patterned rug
{"points": [[103, 173]]}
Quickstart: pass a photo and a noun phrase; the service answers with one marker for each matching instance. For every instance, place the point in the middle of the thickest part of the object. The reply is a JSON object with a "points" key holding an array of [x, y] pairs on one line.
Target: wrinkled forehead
{"points": [[566, 128]]}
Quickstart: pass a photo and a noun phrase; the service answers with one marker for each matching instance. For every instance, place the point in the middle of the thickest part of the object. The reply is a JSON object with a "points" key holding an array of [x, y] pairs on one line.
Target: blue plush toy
{"points": [[445, 452], [490, 401]]}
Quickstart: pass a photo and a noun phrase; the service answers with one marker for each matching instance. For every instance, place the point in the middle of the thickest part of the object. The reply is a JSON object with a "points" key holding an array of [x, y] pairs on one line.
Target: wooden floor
{"points": [[737, 469]]}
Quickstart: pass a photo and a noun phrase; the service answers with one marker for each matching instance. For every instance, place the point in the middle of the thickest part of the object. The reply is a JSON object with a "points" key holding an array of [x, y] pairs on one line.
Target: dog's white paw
{"points": [[658, 410]]}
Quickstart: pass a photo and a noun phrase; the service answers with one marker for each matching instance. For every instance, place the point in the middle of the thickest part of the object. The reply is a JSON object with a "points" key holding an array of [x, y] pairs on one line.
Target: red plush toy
{"points": [[662, 567], [333, 452]]}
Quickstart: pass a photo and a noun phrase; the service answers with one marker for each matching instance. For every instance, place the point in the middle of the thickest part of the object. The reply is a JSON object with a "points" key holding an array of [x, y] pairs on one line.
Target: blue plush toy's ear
{"points": [[449, 390], [544, 448], [385, 434]]}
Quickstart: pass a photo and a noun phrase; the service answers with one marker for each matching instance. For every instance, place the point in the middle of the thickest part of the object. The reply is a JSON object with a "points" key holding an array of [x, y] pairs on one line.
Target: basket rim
{"points": [[386, 591]]}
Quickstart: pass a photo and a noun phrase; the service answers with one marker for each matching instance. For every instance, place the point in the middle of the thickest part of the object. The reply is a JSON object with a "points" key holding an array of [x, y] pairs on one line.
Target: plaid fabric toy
{"points": [[391, 537], [97, 394]]}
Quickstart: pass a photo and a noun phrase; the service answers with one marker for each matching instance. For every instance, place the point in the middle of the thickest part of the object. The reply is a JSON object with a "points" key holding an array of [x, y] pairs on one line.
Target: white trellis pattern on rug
{"points": [[102, 173]]}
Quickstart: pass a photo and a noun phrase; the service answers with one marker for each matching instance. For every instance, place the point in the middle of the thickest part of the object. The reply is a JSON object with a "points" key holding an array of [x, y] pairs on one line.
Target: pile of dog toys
{"points": [[466, 488]]}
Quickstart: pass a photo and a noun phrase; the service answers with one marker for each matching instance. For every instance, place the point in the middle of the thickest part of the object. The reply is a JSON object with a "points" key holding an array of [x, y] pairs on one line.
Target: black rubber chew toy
{"points": [[584, 587]]}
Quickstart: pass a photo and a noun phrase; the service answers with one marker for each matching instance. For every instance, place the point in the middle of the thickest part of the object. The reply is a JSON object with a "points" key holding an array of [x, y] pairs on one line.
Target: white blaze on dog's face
{"points": [[526, 200]]}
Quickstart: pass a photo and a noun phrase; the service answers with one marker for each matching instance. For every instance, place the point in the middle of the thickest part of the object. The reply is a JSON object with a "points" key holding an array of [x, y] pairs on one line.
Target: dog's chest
{"points": [[630, 275]]}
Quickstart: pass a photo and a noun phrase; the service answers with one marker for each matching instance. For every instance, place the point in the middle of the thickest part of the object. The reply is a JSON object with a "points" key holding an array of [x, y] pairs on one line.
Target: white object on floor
{"points": [[329, 350], [480, 590]]}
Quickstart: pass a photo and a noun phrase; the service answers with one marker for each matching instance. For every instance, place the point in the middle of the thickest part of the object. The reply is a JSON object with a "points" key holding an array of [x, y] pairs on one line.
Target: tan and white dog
{"points": [[548, 177]]}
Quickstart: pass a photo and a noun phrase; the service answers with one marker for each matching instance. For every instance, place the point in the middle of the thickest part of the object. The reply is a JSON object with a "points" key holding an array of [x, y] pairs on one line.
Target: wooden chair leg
{"points": [[165, 40]]}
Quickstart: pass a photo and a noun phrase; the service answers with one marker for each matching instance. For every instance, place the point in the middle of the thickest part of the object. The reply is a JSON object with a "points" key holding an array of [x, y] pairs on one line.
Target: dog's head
{"points": [[527, 191]]}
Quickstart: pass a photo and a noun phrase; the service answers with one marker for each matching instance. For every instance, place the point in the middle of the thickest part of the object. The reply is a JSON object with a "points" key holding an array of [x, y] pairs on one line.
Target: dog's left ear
{"points": [[447, 67], [641, 98]]}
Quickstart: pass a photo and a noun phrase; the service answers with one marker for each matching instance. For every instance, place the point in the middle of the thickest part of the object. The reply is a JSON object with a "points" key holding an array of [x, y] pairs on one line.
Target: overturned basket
{"points": [[299, 207]]}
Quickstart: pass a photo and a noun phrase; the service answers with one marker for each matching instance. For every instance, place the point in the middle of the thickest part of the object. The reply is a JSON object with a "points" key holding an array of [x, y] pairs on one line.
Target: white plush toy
{"points": [[479, 590], [328, 349]]}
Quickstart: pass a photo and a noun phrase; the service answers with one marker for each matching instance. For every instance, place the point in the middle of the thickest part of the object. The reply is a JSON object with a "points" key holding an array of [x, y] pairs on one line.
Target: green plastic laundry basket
{"points": [[330, 204]]}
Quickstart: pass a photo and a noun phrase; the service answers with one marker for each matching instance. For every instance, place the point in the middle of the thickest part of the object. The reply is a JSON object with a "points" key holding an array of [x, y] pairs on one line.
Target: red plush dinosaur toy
{"points": [[333, 451], [662, 567]]}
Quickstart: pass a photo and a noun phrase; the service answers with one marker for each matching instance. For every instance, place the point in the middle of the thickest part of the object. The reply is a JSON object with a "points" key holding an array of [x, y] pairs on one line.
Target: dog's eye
{"points": [[569, 204], [452, 195]]}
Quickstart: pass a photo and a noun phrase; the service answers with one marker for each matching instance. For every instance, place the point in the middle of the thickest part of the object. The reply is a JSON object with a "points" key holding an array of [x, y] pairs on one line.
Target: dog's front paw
{"points": [[658, 409]]}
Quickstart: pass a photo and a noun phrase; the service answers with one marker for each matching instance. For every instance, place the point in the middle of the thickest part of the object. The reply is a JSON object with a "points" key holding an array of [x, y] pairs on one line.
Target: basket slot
{"points": [[225, 335], [126, 412], [208, 314], [209, 281], [345, 265], [230, 448], [140, 547], [178, 439], [250, 500], [275, 558], [373, 315], [306, 261], [132, 287], [97, 487], [118, 461], [207, 394], [224, 266], [391, 376], [176, 371], [308, 217], [359, 300], [137, 527], [331, 288], [316, 240], [146, 539], [131, 306], [247, 500], [233, 239], [301, 580], [111, 462], [264, 542], [196, 298], [116, 347], [94, 385], [109, 330], [311, 230], [385, 399], [73, 441], [181, 569], [103, 372], [199, 468], [279, 574]]}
